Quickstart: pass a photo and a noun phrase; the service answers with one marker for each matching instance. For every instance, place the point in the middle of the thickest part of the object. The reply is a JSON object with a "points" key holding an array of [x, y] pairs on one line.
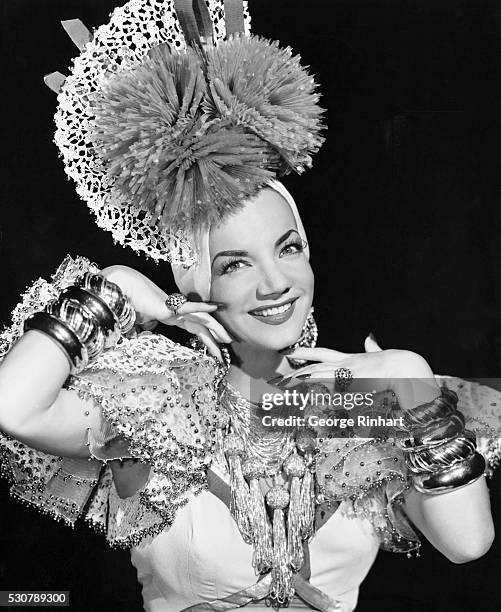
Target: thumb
{"points": [[371, 345]]}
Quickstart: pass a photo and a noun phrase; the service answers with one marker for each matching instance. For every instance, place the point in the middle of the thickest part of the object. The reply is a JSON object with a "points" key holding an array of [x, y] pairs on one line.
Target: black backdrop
{"points": [[402, 215]]}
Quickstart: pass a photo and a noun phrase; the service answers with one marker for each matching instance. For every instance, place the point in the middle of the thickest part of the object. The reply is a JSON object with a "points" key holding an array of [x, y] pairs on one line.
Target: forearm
{"points": [[34, 408], [31, 377], [458, 523]]}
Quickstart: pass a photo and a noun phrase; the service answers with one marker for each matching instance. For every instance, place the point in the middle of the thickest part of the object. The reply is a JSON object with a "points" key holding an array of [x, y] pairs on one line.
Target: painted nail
{"points": [[218, 304], [303, 376], [275, 380], [372, 337], [284, 382], [287, 351]]}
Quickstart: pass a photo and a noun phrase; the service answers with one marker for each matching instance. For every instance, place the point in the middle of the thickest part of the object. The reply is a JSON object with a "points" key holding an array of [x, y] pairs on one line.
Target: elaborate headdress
{"points": [[173, 114]]}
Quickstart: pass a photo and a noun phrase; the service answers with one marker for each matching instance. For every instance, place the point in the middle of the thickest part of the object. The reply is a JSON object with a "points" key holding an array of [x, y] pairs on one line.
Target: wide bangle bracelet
{"points": [[451, 478], [431, 413], [449, 453], [86, 319], [98, 308], [83, 323], [111, 294], [62, 335], [436, 434]]}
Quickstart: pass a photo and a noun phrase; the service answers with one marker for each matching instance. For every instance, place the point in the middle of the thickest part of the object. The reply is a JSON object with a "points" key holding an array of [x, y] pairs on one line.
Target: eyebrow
{"points": [[245, 253]]}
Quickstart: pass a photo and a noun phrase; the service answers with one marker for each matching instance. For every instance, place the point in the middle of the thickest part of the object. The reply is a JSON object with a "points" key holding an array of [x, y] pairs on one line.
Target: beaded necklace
{"points": [[275, 523]]}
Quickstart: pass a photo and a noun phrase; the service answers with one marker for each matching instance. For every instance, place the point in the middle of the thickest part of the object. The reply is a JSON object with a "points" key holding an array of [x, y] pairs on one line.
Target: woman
{"points": [[270, 271], [274, 270]]}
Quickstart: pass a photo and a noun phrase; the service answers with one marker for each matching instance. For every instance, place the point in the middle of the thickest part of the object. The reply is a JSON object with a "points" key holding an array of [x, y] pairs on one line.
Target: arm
{"points": [[33, 406], [459, 522]]}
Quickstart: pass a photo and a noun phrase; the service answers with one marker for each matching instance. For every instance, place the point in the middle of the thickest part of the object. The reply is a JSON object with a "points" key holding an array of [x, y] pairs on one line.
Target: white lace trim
{"points": [[122, 43]]}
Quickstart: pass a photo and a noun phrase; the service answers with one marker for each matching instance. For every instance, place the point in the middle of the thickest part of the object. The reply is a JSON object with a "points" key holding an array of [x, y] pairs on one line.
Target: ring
{"points": [[174, 301], [343, 378]]}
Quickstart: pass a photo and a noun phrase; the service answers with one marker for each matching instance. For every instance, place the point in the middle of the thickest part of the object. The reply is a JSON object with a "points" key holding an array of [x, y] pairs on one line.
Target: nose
{"points": [[273, 283]]}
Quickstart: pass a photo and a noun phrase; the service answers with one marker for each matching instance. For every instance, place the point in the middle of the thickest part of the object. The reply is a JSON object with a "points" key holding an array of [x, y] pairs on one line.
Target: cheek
{"points": [[234, 297], [303, 278], [232, 292]]}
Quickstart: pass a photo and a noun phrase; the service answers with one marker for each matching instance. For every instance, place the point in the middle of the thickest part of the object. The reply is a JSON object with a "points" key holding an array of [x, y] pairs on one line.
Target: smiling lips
{"points": [[275, 315]]}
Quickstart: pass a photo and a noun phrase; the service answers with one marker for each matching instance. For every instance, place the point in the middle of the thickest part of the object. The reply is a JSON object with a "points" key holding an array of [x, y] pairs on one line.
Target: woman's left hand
{"points": [[404, 372]]}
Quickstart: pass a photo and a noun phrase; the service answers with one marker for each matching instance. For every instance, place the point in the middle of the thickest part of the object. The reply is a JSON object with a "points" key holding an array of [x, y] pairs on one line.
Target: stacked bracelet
{"points": [[453, 477], [113, 296], [86, 319], [65, 338], [440, 453]]}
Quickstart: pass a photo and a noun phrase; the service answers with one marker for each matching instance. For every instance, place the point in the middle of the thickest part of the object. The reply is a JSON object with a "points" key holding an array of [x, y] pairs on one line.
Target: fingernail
{"points": [[303, 376], [218, 304], [372, 337], [273, 381], [284, 382], [287, 351]]}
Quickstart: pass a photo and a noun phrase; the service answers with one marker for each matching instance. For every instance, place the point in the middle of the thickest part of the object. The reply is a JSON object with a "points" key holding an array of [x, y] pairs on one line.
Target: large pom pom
{"points": [[256, 84], [162, 153]]}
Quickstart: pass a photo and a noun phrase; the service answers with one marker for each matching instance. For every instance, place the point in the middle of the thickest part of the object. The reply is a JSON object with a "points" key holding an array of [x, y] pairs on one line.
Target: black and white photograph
{"points": [[250, 305]]}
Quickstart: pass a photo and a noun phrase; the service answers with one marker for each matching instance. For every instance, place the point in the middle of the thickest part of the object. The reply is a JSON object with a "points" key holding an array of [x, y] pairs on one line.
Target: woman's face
{"points": [[261, 274]]}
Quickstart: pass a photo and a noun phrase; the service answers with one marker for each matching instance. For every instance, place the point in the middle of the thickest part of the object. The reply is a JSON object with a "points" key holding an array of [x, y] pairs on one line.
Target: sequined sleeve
{"points": [[372, 474], [160, 398], [481, 406], [152, 399], [155, 398]]}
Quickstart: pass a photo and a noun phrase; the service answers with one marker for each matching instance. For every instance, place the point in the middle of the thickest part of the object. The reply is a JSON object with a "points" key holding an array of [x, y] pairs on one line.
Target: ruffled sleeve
{"points": [[160, 398], [157, 402], [481, 406], [372, 473], [151, 399]]}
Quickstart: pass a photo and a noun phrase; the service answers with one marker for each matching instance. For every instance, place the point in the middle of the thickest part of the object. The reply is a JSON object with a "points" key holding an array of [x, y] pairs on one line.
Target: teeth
{"points": [[274, 311]]}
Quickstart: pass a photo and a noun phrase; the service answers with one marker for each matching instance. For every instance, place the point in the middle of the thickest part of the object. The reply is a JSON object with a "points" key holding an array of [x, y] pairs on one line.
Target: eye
{"points": [[232, 266], [296, 245]]}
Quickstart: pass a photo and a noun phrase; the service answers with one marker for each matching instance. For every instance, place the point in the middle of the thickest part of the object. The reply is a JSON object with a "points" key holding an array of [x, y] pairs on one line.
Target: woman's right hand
{"points": [[148, 301]]}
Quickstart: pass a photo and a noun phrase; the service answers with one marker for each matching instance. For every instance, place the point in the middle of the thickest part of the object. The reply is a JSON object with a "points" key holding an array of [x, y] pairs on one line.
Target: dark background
{"points": [[401, 209]]}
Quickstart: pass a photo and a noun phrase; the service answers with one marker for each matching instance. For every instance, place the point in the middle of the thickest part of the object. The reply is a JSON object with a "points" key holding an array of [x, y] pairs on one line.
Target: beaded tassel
{"points": [[306, 443], [307, 505], [262, 558], [239, 503], [295, 467], [294, 540], [221, 422], [282, 583]]}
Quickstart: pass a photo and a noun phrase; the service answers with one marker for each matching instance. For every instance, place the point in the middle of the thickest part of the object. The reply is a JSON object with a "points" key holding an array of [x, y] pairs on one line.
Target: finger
{"points": [[189, 307], [317, 354], [168, 315], [209, 322], [205, 336], [371, 345], [208, 340], [211, 345], [314, 370]]}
